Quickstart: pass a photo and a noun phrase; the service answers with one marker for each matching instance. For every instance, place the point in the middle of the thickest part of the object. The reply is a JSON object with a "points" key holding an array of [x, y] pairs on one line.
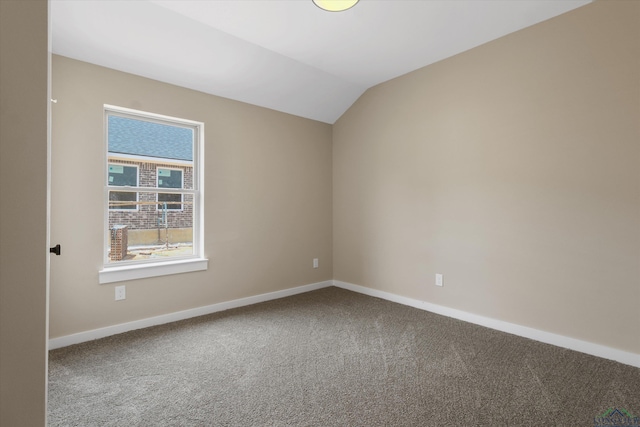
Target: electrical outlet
{"points": [[315, 263], [439, 280], [120, 293]]}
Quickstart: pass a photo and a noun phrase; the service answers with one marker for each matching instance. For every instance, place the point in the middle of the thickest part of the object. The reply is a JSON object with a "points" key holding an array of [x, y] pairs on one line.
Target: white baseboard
{"points": [[180, 315], [511, 328], [523, 331]]}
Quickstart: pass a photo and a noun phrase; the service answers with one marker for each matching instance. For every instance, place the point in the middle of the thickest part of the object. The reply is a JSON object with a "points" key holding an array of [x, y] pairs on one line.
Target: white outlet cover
{"points": [[439, 280], [120, 293]]}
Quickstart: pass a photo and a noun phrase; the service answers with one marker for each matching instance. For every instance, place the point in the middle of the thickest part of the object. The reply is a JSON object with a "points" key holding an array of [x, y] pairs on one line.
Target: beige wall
{"points": [[267, 199], [24, 61], [514, 170]]}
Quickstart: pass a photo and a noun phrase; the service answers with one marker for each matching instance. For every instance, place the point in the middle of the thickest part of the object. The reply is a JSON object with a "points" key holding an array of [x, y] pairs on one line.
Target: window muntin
{"points": [[124, 176], [165, 154]]}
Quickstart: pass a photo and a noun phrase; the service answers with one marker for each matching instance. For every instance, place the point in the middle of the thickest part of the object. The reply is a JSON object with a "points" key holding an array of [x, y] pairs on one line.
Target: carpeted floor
{"points": [[331, 358]]}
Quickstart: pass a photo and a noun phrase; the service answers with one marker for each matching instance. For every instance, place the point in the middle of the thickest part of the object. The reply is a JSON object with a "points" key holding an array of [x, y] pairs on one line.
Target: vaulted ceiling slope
{"points": [[287, 55]]}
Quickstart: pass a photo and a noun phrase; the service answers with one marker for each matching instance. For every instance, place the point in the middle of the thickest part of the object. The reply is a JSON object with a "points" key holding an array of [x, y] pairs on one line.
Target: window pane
{"points": [[169, 198], [149, 139], [150, 234], [123, 175], [117, 200], [169, 178]]}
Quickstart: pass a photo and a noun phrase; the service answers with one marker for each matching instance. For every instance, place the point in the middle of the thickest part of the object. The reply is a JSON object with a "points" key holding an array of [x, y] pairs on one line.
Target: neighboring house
{"points": [[147, 154]]}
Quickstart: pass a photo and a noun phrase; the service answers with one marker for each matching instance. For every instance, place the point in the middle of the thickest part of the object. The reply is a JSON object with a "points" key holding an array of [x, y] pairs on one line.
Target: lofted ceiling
{"points": [[287, 55]]}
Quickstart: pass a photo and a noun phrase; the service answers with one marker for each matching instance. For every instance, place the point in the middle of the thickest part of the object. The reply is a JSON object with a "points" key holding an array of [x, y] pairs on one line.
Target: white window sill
{"points": [[141, 271]]}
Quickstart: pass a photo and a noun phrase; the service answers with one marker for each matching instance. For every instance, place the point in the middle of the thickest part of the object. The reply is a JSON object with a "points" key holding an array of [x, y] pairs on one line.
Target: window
{"points": [[169, 178], [153, 195], [123, 176]]}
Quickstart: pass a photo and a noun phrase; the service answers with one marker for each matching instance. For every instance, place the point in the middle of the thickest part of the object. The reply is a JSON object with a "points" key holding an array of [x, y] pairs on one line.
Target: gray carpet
{"points": [[331, 358]]}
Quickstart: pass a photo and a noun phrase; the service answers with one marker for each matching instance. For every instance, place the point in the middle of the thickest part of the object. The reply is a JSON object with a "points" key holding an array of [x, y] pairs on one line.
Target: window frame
{"points": [[129, 269], [115, 163]]}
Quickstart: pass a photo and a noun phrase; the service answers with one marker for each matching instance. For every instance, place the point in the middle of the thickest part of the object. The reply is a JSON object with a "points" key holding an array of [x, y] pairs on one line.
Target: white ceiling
{"points": [[287, 55]]}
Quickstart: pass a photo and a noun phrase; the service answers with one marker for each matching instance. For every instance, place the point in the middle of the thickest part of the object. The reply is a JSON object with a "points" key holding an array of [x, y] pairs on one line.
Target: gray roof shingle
{"points": [[142, 138]]}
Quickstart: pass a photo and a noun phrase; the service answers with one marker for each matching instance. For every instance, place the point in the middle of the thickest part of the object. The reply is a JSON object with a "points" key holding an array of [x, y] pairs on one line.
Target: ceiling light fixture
{"points": [[335, 5]]}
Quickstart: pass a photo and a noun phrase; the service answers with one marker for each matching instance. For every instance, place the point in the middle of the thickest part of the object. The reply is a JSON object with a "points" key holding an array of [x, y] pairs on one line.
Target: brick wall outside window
{"points": [[148, 216]]}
